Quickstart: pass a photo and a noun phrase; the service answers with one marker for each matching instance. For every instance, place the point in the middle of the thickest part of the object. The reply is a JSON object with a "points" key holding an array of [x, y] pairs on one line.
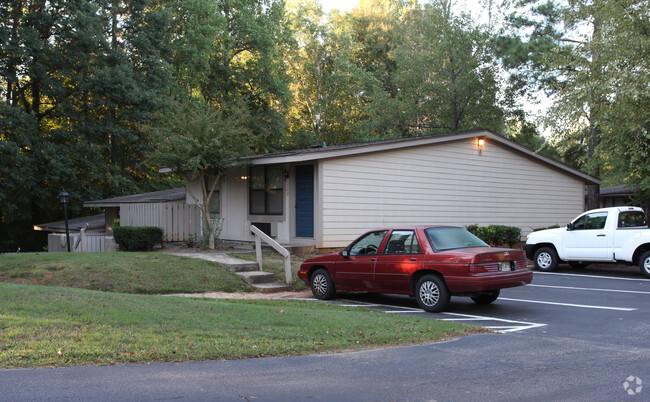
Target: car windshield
{"points": [[449, 238]]}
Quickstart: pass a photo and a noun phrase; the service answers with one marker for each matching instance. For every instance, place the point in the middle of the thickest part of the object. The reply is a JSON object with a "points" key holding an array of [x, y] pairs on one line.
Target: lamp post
{"points": [[63, 196]]}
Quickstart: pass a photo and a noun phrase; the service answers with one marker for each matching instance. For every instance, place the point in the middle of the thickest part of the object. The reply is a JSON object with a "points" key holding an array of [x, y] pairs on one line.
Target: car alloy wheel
{"points": [[321, 285], [431, 293]]}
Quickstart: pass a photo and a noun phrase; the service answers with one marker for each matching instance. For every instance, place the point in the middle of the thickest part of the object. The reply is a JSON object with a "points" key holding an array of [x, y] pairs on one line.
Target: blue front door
{"points": [[305, 201]]}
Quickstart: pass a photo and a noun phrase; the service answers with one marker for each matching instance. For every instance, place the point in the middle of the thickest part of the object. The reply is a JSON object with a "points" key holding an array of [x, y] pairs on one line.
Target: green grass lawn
{"points": [[61, 325], [122, 272]]}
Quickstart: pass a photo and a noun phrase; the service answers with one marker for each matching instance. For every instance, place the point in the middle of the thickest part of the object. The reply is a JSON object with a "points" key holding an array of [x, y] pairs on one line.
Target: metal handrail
{"points": [[259, 236]]}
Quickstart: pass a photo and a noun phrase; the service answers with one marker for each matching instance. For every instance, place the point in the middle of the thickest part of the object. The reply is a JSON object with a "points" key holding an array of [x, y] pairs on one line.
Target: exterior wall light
{"points": [[480, 143]]}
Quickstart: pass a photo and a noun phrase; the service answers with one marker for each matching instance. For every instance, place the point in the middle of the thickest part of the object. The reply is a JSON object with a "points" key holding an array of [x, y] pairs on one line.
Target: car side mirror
{"points": [[345, 253], [569, 226]]}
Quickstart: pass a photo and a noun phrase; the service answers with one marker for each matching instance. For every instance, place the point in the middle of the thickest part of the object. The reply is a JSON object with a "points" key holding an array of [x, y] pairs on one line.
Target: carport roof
{"points": [[95, 222], [175, 194]]}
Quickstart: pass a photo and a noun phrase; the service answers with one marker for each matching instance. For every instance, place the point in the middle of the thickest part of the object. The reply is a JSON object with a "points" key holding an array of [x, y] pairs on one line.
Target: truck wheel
{"points": [[644, 264], [546, 259]]}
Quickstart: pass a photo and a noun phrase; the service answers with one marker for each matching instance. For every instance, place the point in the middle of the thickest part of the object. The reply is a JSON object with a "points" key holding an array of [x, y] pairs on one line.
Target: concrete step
{"points": [[273, 287], [256, 277], [243, 266]]}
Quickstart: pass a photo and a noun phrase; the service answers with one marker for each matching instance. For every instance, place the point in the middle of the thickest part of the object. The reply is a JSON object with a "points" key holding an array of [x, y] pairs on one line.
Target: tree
{"points": [[446, 75], [77, 78], [199, 141], [592, 56], [328, 88], [229, 51]]}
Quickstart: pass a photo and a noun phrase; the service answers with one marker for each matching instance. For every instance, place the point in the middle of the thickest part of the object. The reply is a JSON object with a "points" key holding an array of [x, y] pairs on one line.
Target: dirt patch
{"points": [[248, 295]]}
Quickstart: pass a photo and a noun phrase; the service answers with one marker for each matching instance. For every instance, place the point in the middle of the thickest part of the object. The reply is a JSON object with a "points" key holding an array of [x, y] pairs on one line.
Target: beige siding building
{"points": [[326, 197]]}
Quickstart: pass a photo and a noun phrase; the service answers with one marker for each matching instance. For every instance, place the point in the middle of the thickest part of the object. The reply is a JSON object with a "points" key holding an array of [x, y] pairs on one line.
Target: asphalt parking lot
{"points": [[570, 335], [603, 304]]}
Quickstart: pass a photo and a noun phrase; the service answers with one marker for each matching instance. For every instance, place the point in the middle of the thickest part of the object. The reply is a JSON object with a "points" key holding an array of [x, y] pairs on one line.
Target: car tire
{"points": [[546, 259], [486, 297], [644, 264], [431, 293], [322, 285]]}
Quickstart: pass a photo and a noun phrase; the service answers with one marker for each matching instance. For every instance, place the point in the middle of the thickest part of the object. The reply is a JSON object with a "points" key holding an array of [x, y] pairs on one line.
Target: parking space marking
{"points": [[487, 322], [513, 327], [570, 304], [593, 276], [594, 289]]}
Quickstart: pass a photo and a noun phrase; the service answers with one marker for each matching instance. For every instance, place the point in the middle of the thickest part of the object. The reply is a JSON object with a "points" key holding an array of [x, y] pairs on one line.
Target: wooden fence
{"points": [[179, 221]]}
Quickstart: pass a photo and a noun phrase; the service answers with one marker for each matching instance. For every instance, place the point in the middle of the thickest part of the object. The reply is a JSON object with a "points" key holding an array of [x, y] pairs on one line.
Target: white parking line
{"points": [[514, 325], [595, 289], [570, 304], [593, 276]]}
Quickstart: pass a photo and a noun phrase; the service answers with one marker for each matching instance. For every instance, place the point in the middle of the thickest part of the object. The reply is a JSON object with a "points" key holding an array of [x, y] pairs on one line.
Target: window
{"points": [[450, 238], [591, 221], [402, 242], [266, 195], [368, 244], [630, 219]]}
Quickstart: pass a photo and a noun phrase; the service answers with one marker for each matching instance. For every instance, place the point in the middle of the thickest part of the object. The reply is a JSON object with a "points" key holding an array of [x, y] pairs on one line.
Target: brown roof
{"points": [[176, 194], [95, 222]]}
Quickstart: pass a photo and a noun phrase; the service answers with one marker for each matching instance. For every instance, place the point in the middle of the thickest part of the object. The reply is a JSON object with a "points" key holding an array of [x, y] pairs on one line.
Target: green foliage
{"points": [[443, 78], [593, 57], [198, 140], [496, 235], [142, 238]]}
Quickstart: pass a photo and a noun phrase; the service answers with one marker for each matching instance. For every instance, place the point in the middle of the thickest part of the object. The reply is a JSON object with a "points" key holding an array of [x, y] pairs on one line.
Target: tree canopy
{"points": [[95, 94]]}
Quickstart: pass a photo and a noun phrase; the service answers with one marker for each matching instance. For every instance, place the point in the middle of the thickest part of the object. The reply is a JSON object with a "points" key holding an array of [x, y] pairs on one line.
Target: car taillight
{"points": [[500, 266], [485, 267]]}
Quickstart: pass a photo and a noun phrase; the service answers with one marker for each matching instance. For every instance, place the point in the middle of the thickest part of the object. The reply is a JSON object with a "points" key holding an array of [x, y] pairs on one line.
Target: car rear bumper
{"points": [[489, 281]]}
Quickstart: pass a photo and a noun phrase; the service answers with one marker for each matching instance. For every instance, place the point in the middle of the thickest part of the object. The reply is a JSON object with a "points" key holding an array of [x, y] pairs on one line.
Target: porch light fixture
{"points": [[480, 143], [285, 174], [64, 196]]}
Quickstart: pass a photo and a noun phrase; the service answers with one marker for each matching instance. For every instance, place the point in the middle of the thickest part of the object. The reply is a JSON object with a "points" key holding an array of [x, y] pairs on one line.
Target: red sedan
{"points": [[430, 263]]}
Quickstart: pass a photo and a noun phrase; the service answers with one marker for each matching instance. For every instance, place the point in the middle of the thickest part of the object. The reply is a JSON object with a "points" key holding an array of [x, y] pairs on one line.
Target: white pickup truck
{"points": [[618, 234]]}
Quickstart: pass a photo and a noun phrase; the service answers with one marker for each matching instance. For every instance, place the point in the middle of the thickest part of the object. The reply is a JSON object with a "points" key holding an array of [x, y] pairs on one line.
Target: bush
{"points": [[132, 238], [496, 235]]}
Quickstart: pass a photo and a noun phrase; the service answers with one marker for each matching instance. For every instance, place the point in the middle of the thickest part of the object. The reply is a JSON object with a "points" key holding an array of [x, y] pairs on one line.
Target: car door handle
{"points": [[373, 259], [601, 235], [413, 259]]}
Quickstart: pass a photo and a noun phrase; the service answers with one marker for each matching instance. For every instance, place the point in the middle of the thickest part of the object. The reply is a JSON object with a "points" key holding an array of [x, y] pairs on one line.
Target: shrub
{"points": [[132, 238], [496, 235]]}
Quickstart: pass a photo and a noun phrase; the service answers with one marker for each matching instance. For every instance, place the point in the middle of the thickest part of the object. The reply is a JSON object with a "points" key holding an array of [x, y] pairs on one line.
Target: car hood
{"points": [[545, 232], [323, 258]]}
